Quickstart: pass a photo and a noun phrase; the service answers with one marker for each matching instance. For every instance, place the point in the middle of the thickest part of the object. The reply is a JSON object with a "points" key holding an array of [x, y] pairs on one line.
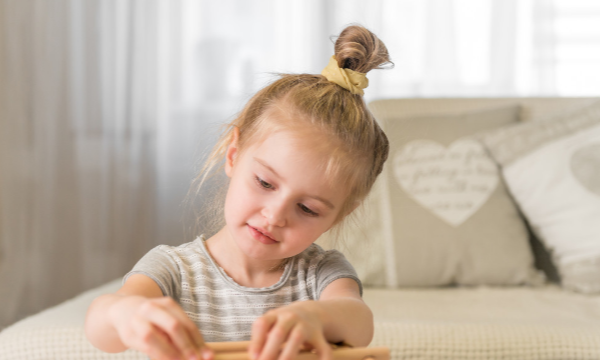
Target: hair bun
{"points": [[360, 50]]}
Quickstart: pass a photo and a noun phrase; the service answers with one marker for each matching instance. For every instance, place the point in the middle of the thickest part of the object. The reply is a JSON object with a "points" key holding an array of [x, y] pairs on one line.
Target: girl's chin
{"points": [[260, 253]]}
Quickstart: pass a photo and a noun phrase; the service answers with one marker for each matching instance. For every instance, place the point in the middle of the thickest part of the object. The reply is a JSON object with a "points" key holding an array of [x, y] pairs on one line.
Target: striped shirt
{"points": [[224, 310]]}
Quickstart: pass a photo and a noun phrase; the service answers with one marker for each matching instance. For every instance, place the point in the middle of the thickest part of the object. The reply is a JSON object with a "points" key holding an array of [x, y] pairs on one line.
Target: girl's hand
{"points": [[159, 328], [296, 325]]}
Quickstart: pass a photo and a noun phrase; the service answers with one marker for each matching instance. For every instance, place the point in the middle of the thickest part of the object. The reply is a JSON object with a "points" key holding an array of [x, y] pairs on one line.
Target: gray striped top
{"points": [[224, 310]]}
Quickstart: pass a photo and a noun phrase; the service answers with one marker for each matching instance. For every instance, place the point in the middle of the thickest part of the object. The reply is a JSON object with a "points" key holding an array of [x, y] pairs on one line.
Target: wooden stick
{"points": [[238, 350], [233, 346], [228, 346], [376, 353]]}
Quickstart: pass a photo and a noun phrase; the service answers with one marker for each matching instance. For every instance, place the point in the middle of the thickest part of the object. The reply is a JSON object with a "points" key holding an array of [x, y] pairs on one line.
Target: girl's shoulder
{"points": [[194, 249], [315, 255], [314, 250], [195, 244], [320, 267]]}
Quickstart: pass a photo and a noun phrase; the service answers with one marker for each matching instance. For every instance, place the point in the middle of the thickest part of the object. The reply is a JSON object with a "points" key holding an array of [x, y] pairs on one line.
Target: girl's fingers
{"points": [[196, 339], [154, 342], [293, 344], [260, 330], [206, 353], [323, 348], [170, 319], [276, 337]]}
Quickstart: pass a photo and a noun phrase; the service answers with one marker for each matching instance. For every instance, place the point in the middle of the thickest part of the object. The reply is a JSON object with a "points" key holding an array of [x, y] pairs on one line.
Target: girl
{"points": [[301, 156]]}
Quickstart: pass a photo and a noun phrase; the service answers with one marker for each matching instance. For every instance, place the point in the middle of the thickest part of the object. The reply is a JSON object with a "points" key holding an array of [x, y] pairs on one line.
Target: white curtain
{"points": [[78, 146], [107, 106]]}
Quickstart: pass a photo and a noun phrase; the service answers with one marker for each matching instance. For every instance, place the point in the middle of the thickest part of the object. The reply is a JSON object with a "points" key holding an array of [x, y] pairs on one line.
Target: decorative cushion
{"points": [[440, 214], [552, 168]]}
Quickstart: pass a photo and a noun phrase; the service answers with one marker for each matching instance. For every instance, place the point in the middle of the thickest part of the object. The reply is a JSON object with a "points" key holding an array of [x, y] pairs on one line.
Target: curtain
{"points": [[108, 106], [78, 147]]}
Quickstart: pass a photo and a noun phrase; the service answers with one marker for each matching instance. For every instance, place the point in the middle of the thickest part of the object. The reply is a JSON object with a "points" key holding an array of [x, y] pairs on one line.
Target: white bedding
{"points": [[486, 323], [448, 323]]}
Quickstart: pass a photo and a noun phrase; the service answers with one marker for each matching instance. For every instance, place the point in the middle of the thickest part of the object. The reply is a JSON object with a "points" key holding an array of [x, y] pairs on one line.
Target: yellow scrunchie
{"points": [[351, 80]]}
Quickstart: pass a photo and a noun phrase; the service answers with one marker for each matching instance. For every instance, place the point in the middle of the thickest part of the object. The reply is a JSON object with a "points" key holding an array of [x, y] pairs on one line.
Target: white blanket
{"points": [[450, 323], [486, 323]]}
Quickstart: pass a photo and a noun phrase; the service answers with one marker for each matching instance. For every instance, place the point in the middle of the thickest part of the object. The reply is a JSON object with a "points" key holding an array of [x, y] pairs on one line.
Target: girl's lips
{"points": [[264, 238]]}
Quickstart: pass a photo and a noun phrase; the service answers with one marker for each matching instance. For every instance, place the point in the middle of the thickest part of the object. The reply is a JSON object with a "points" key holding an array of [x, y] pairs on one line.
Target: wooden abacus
{"points": [[238, 350]]}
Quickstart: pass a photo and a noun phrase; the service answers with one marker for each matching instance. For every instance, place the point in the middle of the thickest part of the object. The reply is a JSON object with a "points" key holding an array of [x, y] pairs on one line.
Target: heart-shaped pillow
{"points": [[452, 182], [444, 212]]}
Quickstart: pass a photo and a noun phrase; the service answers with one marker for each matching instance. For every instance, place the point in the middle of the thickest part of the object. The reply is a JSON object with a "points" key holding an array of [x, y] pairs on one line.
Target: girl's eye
{"points": [[307, 210], [264, 184]]}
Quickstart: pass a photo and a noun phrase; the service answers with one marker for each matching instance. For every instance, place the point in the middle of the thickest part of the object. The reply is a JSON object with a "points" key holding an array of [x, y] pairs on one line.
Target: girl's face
{"points": [[278, 201]]}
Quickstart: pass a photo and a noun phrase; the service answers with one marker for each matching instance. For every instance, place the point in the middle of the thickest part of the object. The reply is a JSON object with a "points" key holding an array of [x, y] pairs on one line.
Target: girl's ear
{"points": [[232, 151]]}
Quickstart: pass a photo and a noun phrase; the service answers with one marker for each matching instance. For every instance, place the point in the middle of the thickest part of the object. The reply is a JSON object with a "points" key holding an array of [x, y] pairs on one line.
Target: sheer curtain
{"points": [[107, 106], [78, 146]]}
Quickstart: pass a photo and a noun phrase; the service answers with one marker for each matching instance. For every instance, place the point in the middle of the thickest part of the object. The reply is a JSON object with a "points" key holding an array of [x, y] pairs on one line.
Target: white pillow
{"points": [[552, 168]]}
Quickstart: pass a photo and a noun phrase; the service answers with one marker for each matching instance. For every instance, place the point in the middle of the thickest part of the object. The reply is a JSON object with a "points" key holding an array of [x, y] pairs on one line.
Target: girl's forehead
{"points": [[306, 143], [305, 155], [298, 147], [284, 121]]}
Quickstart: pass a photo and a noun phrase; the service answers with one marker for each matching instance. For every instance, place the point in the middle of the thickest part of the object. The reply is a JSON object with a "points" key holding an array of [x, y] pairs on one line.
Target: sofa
{"points": [[480, 240]]}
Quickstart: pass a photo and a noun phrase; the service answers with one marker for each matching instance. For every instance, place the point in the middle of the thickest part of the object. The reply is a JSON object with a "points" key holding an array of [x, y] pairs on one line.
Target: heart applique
{"points": [[452, 183], [585, 166]]}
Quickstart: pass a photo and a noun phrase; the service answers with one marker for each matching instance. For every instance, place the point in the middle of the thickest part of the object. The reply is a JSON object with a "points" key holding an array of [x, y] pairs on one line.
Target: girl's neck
{"points": [[243, 270]]}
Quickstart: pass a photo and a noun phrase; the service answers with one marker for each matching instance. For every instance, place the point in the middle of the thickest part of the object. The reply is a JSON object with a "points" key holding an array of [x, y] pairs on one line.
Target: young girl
{"points": [[301, 156]]}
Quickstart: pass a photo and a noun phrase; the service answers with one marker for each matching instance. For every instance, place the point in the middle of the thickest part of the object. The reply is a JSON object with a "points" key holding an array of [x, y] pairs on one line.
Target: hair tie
{"points": [[350, 80]]}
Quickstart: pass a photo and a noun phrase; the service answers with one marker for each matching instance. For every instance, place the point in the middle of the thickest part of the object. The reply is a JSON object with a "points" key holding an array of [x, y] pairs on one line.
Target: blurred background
{"points": [[107, 106]]}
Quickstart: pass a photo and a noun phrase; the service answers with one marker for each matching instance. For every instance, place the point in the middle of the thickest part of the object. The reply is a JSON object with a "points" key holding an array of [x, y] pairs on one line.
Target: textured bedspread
{"points": [[486, 323], [449, 323]]}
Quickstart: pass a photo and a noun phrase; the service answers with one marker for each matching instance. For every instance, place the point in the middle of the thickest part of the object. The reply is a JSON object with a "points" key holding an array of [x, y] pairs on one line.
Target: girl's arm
{"points": [[340, 315], [346, 316], [138, 316]]}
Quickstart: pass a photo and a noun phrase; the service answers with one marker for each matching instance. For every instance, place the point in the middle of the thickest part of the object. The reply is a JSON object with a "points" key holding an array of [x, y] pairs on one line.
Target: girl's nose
{"points": [[275, 214]]}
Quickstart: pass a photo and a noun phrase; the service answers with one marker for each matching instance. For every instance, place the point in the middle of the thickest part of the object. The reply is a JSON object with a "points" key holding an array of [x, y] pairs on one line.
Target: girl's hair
{"points": [[357, 145]]}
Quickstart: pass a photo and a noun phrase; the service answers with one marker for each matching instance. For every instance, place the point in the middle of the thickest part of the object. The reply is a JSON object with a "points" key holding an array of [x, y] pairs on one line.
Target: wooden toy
{"points": [[238, 350]]}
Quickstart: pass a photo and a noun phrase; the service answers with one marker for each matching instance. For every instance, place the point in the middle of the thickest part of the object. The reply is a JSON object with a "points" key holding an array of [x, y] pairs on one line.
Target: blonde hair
{"points": [[360, 147]]}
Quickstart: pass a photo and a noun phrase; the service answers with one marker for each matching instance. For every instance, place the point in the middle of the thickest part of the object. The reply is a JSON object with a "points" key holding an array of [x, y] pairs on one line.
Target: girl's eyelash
{"points": [[263, 183], [306, 210]]}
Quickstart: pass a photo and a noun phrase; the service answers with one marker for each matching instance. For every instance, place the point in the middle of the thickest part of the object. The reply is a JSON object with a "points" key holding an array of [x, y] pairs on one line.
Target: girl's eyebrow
{"points": [[265, 165], [324, 201]]}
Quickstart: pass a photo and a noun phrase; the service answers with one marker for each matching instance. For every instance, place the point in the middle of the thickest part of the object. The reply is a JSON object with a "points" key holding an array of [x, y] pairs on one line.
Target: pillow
{"points": [[440, 213], [552, 168]]}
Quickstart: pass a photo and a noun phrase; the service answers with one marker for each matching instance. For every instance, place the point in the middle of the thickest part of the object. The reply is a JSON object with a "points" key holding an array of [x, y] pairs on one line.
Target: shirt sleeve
{"points": [[160, 265], [334, 266]]}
